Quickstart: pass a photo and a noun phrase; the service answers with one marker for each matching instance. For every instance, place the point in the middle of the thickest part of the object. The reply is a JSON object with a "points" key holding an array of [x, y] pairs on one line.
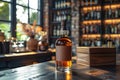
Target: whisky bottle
{"points": [[63, 51]]}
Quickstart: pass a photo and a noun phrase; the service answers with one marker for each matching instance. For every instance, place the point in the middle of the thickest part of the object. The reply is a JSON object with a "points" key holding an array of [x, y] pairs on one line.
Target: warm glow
{"points": [[68, 3], [109, 21], [91, 36], [21, 54], [113, 6], [112, 35], [92, 8], [68, 76], [91, 21]]}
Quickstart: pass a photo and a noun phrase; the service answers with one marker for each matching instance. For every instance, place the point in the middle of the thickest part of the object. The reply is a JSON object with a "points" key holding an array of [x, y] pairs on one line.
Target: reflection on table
{"points": [[47, 71]]}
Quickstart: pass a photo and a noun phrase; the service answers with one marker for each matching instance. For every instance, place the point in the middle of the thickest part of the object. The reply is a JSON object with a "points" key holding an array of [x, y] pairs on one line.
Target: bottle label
{"points": [[63, 53]]}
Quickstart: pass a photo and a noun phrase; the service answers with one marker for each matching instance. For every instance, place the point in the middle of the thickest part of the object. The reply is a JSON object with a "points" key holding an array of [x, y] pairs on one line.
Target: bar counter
{"points": [[46, 71], [13, 60]]}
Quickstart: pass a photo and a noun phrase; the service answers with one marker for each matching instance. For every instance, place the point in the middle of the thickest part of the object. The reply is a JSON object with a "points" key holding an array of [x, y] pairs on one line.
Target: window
{"points": [[22, 2], [26, 11], [30, 9], [22, 14], [5, 17]]}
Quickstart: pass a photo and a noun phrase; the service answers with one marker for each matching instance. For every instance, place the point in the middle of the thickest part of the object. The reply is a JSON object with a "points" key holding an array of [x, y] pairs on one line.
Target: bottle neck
{"points": [[64, 31]]}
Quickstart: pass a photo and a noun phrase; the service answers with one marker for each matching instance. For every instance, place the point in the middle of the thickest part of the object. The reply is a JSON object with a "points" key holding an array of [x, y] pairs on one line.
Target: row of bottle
{"points": [[112, 13], [89, 2], [97, 2], [61, 15], [111, 42], [91, 42], [108, 42], [91, 14], [112, 28], [57, 30], [111, 1], [91, 28], [61, 4]]}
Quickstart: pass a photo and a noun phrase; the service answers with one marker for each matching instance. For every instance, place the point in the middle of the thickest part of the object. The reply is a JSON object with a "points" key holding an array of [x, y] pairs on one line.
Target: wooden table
{"points": [[46, 71]]}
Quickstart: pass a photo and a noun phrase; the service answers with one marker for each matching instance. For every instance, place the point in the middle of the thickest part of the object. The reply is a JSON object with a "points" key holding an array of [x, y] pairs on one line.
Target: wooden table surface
{"points": [[46, 71]]}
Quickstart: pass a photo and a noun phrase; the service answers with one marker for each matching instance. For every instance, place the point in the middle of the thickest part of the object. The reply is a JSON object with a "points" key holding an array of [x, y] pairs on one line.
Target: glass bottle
{"points": [[63, 50]]}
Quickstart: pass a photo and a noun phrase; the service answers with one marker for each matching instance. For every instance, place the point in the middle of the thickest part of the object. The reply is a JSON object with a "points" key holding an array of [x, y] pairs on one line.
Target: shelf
{"points": [[112, 6], [112, 35], [91, 8], [112, 20], [60, 22], [91, 35], [95, 5], [61, 9], [55, 37], [56, 22], [91, 21], [108, 20], [117, 19]]}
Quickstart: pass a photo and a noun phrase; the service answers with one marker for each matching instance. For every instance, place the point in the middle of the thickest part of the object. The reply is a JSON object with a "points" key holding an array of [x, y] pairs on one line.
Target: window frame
{"points": [[13, 20]]}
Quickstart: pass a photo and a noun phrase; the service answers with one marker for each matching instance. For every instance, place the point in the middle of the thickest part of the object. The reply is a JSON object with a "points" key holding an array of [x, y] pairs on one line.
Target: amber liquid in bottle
{"points": [[63, 53]]}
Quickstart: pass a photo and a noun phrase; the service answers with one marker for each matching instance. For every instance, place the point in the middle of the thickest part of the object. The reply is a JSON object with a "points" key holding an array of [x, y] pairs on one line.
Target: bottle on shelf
{"points": [[83, 29], [109, 13], [92, 42], [54, 30], [108, 28], [98, 13], [63, 50], [106, 13], [118, 12], [98, 42], [91, 2], [58, 30], [91, 28], [109, 42], [96, 1], [86, 2], [87, 29], [82, 3], [118, 27]]}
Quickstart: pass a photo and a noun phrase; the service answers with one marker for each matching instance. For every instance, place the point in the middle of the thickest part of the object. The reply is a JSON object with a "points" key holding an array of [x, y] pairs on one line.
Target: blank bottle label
{"points": [[63, 53]]}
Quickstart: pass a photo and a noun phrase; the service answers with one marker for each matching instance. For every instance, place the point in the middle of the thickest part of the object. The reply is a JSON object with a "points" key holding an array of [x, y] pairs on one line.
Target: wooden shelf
{"points": [[91, 35], [61, 9], [91, 21], [115, 20], [95, 5]]}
